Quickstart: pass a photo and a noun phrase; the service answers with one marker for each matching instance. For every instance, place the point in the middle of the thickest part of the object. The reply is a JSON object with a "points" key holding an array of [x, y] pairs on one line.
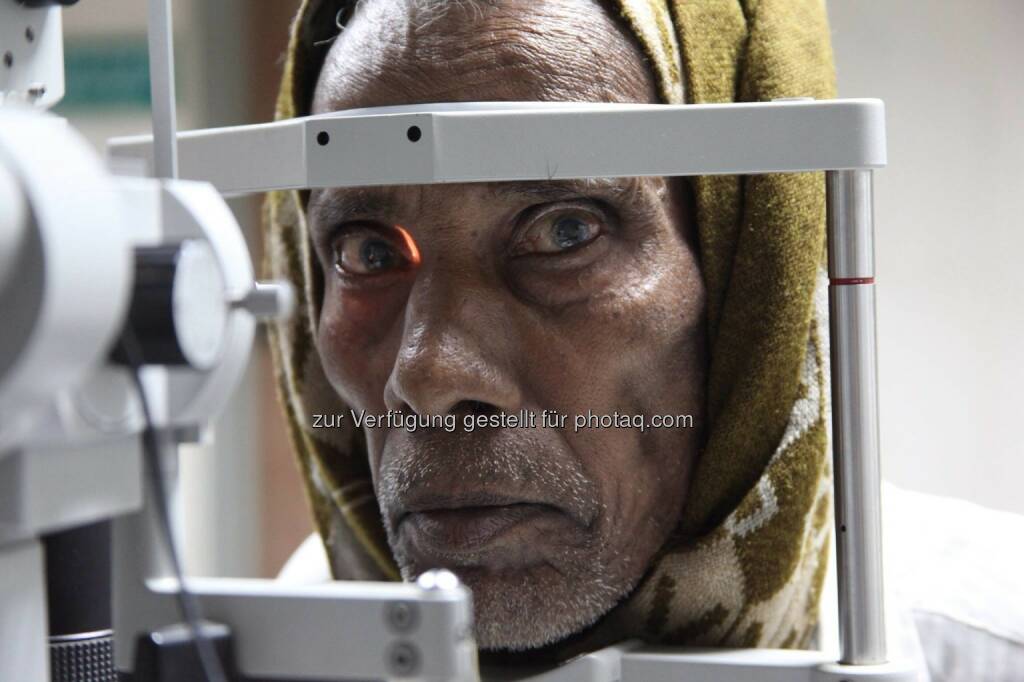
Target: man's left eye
{"points": [[558, 232]]}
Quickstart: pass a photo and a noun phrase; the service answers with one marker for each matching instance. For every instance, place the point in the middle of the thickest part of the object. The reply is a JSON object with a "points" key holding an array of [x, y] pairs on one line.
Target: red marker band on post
{"points": [[843, 281]]}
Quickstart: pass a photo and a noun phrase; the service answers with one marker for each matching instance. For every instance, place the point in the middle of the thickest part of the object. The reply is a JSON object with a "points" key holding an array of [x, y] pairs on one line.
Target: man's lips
{"points": [[457, 524], [471, 528], [499, 500]]}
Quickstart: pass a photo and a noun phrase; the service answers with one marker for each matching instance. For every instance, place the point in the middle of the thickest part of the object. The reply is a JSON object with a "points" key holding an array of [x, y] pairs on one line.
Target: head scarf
{"points": [[746, 566]]}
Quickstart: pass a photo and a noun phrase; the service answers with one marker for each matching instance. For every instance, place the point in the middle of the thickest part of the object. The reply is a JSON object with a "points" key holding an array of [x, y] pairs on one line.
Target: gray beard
{"points": [[540, 604], [529, 610]]}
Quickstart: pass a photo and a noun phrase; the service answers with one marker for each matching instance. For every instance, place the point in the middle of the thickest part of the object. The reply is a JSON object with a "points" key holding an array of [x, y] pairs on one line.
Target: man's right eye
{"points": [[364, 252]]}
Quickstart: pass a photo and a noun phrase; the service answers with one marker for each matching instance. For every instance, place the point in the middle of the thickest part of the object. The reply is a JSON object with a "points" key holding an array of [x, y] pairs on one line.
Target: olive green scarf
{"points": [[747, 564]]}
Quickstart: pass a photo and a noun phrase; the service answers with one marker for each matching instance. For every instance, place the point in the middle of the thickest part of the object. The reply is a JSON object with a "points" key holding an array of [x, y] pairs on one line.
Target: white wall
{"points": [[949, 236]]}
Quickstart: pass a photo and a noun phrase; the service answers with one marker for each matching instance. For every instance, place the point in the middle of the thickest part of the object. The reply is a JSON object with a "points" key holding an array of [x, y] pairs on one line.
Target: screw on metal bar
{"points": [[403, 659], [8, 59], [30, 34], [402, 616]]}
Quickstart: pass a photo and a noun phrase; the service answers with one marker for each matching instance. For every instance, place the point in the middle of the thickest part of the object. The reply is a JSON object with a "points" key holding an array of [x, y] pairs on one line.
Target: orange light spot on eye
{"points": [[412, 250]]}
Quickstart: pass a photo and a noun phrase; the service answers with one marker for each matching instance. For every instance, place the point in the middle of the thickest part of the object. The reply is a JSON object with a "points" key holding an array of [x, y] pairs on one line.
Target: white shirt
{"points": [[954, 574]]}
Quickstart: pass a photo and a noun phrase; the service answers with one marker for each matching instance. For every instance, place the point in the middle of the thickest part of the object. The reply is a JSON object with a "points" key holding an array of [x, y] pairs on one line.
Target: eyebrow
{"points": [[559, 189], [338, 206], [342, 205]]}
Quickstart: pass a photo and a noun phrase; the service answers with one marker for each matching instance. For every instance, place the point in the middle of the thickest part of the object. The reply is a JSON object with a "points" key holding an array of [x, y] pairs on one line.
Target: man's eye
{"points": [[559, 232], [366, 253]]}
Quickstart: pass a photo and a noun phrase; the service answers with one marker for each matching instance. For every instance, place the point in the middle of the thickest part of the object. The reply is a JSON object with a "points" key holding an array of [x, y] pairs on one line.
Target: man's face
{"points": [[478, 299]]}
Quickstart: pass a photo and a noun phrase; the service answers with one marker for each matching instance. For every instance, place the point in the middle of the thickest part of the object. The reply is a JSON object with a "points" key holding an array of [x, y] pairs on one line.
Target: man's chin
{"points": [[532, 607]]}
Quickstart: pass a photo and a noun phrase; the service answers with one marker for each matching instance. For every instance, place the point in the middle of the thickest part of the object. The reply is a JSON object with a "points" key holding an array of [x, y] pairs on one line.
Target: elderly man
{"points": [[637, 297]]}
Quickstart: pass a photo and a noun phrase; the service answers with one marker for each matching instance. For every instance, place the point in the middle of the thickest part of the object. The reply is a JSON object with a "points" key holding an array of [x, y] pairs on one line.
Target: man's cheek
{"points": [[357, 358], [360, 320]]}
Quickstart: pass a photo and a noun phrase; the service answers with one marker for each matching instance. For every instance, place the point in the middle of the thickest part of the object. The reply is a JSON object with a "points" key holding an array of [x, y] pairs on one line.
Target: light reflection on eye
{"points": [[412, 251]]}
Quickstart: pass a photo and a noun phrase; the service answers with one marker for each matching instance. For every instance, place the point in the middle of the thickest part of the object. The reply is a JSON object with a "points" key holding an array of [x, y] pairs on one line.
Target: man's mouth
{"points": [[498, 503], [445, 528]]}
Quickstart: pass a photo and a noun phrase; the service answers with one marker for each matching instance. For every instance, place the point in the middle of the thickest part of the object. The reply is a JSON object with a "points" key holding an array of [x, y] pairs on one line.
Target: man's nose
{"points": [[453, 357]]}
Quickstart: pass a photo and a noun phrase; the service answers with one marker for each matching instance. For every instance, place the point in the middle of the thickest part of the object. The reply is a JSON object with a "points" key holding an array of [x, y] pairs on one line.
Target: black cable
{"points": [[213, 671]]}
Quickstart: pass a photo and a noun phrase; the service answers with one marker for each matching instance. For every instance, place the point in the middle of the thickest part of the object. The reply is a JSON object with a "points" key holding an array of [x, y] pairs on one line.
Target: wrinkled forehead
{"points": [[417, 51]]}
